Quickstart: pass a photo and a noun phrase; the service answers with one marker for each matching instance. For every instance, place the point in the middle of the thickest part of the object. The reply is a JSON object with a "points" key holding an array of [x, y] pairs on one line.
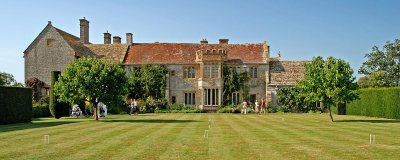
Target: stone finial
{"points": [[49, 22]]}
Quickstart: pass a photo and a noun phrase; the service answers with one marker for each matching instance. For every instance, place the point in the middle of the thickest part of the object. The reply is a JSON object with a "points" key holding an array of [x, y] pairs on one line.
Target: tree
{"points": [[36, 86], [153, 80], [290, 99], [383, 66], [7, 79], [374, 80], [329, 81], [94, 78], [234, 82]]}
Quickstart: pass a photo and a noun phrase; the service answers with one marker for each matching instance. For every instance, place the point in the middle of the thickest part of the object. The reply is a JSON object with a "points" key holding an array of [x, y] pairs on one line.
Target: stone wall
{"points": [[283, 74], [178, 85], [52, 53]]}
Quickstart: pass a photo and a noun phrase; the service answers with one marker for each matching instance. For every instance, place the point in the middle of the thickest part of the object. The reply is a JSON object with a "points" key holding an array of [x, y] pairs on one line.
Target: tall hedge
{"points": [[15, 105], [377, 102], [54, 106]]}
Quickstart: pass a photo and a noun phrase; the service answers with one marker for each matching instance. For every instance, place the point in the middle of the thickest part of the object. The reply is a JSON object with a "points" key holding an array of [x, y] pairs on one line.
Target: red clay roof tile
{"points": [[185, 53]]}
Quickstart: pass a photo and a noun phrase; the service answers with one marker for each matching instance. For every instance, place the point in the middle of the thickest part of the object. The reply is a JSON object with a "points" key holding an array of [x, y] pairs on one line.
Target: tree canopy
{"points": [[148, 81], [7, 79], [94, 78], [382, 67], [329, 81]]}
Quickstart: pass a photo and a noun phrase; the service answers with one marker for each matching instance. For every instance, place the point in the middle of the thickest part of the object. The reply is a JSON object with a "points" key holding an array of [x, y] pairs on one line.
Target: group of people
{"points": [[258, 108], [77, 112]]}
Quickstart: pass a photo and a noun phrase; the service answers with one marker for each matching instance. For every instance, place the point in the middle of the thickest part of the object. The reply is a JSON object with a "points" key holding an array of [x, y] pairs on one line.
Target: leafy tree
{"points": [[374, 80], [94, 78], [234, 81], [153, 80], [149, 81], [329, 81], [135, 85], [383, 65], [7, 79], [290, 99], [36, 86]]}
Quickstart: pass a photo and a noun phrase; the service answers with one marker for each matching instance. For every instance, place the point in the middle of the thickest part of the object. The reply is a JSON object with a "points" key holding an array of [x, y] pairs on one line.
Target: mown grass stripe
{"points": [[145, 142], [189, 142]]}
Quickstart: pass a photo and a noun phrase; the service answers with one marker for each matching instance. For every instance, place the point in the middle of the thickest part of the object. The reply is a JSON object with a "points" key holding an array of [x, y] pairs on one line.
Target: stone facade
{"points": [[51, 52], [195, 69]]}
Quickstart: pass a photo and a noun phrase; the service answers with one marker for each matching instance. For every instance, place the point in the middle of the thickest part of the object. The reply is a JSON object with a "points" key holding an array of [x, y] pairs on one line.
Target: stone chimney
{"points": [[84, 30], [107, 38], [129, 38], [223, 41], [204, 41], [116, 40]]}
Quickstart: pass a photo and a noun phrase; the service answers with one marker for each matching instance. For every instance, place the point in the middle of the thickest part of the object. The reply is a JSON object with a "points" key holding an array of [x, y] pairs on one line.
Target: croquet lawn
{"points": [[184, 136]]}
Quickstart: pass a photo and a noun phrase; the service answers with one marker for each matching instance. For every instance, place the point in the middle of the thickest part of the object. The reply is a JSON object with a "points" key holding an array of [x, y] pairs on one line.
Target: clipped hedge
{"points": [[40, 110], [15, 105], [377, 102]]}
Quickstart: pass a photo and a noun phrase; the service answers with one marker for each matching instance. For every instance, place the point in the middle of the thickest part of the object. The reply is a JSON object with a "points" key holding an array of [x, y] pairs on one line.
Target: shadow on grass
{"points": [[370, 120], [150, 120], [22, 126]]}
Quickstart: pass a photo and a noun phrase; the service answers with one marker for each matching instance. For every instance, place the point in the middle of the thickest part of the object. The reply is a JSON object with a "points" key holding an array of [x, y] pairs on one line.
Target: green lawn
{"points": [[181, 136]]}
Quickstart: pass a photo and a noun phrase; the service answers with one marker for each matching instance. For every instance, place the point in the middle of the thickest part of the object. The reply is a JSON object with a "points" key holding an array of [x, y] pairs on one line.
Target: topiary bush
{"points": [[54, 106]]}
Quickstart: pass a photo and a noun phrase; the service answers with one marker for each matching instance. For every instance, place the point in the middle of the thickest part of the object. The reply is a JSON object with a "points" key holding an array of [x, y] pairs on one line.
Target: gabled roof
{"points": [[73, 41], [185, 53], [41, 34], [109, 52]]}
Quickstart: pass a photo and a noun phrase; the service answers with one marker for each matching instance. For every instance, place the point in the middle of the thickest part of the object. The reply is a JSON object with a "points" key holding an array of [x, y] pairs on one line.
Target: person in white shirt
{"points": [[104, 107], [244, 110]]}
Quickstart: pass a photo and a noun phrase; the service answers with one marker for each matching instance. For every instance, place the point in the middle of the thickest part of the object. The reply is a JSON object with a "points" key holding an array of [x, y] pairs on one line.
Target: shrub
{"points": [[377, 102], [230, 109], [44, 99], [178, 108], [290, 100], [151, 105], [40, 110], [15, 105]]}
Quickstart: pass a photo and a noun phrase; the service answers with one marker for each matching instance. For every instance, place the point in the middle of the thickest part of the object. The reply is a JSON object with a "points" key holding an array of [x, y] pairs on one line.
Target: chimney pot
{"points": [[204, 41], [223, 41], [84, 31], [129, 38], [107, 38], [116, 40]]}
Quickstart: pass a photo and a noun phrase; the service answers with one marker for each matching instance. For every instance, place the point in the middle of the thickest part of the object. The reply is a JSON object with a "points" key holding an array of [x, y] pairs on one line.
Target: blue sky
{"points": [[299, 29]]}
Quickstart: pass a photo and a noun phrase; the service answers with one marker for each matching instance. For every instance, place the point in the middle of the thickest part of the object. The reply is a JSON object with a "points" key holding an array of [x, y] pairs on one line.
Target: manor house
{"points": [[195, 69]]}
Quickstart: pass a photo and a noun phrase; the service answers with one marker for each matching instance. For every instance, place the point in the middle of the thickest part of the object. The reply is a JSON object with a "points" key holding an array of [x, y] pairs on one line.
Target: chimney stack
{"points": [[129, 39], [204, 41], [223, 41], [116, 40], [84, 31], [107, 38]]}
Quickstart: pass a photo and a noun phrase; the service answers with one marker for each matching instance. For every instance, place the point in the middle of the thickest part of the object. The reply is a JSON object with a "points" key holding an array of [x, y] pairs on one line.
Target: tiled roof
{"points": [[110, 52], [286, 72], [185, 53]]}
